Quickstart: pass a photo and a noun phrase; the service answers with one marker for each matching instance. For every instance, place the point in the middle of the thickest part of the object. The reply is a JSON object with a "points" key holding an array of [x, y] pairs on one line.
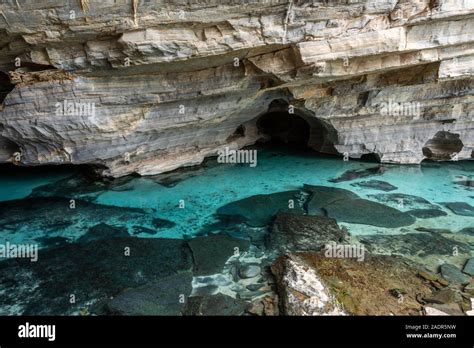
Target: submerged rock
{"points": [[210, 253], [359, 173], [162, 223], [160, 298], [249, 271], [461, 208], [91, 271], [453, 274], [403, 201], [376, 185], [469, 267], [363, 211], [321, 196], [312, 284], [427, 213], [467, 230], [103, 231], [258, 210], [413, 244], [218, 304], [292, 232], [52, 216]]}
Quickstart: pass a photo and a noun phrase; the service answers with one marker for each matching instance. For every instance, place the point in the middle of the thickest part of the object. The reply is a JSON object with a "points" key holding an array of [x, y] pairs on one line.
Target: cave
{"points": [[5, 86], [443, 146], [284, 125]]}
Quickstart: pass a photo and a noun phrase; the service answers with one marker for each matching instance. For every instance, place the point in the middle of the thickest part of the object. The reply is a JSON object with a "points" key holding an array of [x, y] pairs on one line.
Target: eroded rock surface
{"points": [[160, 86]]}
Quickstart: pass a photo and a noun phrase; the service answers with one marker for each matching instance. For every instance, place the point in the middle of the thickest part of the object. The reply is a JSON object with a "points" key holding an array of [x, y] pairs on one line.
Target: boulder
{"points": [[453, 274], [249, 271], [469, 267], [292, 232]]}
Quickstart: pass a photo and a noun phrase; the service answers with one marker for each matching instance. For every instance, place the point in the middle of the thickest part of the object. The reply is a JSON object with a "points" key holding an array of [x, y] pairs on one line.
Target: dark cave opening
{"points": [[5, 86], [284, 128], [285, 125]]}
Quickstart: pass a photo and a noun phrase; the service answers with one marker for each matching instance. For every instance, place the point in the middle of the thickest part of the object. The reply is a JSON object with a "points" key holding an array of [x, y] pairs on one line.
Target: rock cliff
{"points": [[150, 86]]}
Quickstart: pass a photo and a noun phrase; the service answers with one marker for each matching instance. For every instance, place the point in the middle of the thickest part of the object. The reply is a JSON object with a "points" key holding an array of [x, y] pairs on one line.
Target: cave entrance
{"points": [[443, 146], [283, 125], [5, 86]]}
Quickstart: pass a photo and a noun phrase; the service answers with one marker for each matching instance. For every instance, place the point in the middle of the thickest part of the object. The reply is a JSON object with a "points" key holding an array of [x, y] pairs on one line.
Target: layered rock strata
{"points": [[146, 87]]}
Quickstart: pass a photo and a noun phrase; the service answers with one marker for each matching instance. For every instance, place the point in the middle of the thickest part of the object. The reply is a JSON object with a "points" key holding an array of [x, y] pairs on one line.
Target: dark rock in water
{"points": [[141, 229], [258, 210], [210, 253], [467, 183], [254, 287], [453, 274], [427, 213], [205, 290], [469, 267], [324, 195], [432, 230], [48, 242], [359, 173], [376, 185], [215, 305], [413, 244], [162, 223], [103, 231], [160, 298], [292, 232], [461, 208], [249, 271], [50, 215], [91, 271], [467, 230], [363, 211], [403, 201]]}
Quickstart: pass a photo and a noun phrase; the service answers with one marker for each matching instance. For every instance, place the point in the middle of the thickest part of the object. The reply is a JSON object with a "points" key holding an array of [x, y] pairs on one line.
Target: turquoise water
{"points": [[80, 254], [277, 170]]}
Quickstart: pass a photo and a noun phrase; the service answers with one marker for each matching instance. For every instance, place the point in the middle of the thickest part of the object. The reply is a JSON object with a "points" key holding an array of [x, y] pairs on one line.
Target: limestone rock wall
{"points": [[149, 86]]}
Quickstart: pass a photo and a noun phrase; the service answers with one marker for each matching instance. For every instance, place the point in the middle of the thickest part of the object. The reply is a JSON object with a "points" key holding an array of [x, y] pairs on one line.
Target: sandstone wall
{"points": [[171, 81]]}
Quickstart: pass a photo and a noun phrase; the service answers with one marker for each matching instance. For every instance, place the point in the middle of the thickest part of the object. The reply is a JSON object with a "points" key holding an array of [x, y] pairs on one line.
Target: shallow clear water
{"points": [[277, 170], [79, 254]]}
